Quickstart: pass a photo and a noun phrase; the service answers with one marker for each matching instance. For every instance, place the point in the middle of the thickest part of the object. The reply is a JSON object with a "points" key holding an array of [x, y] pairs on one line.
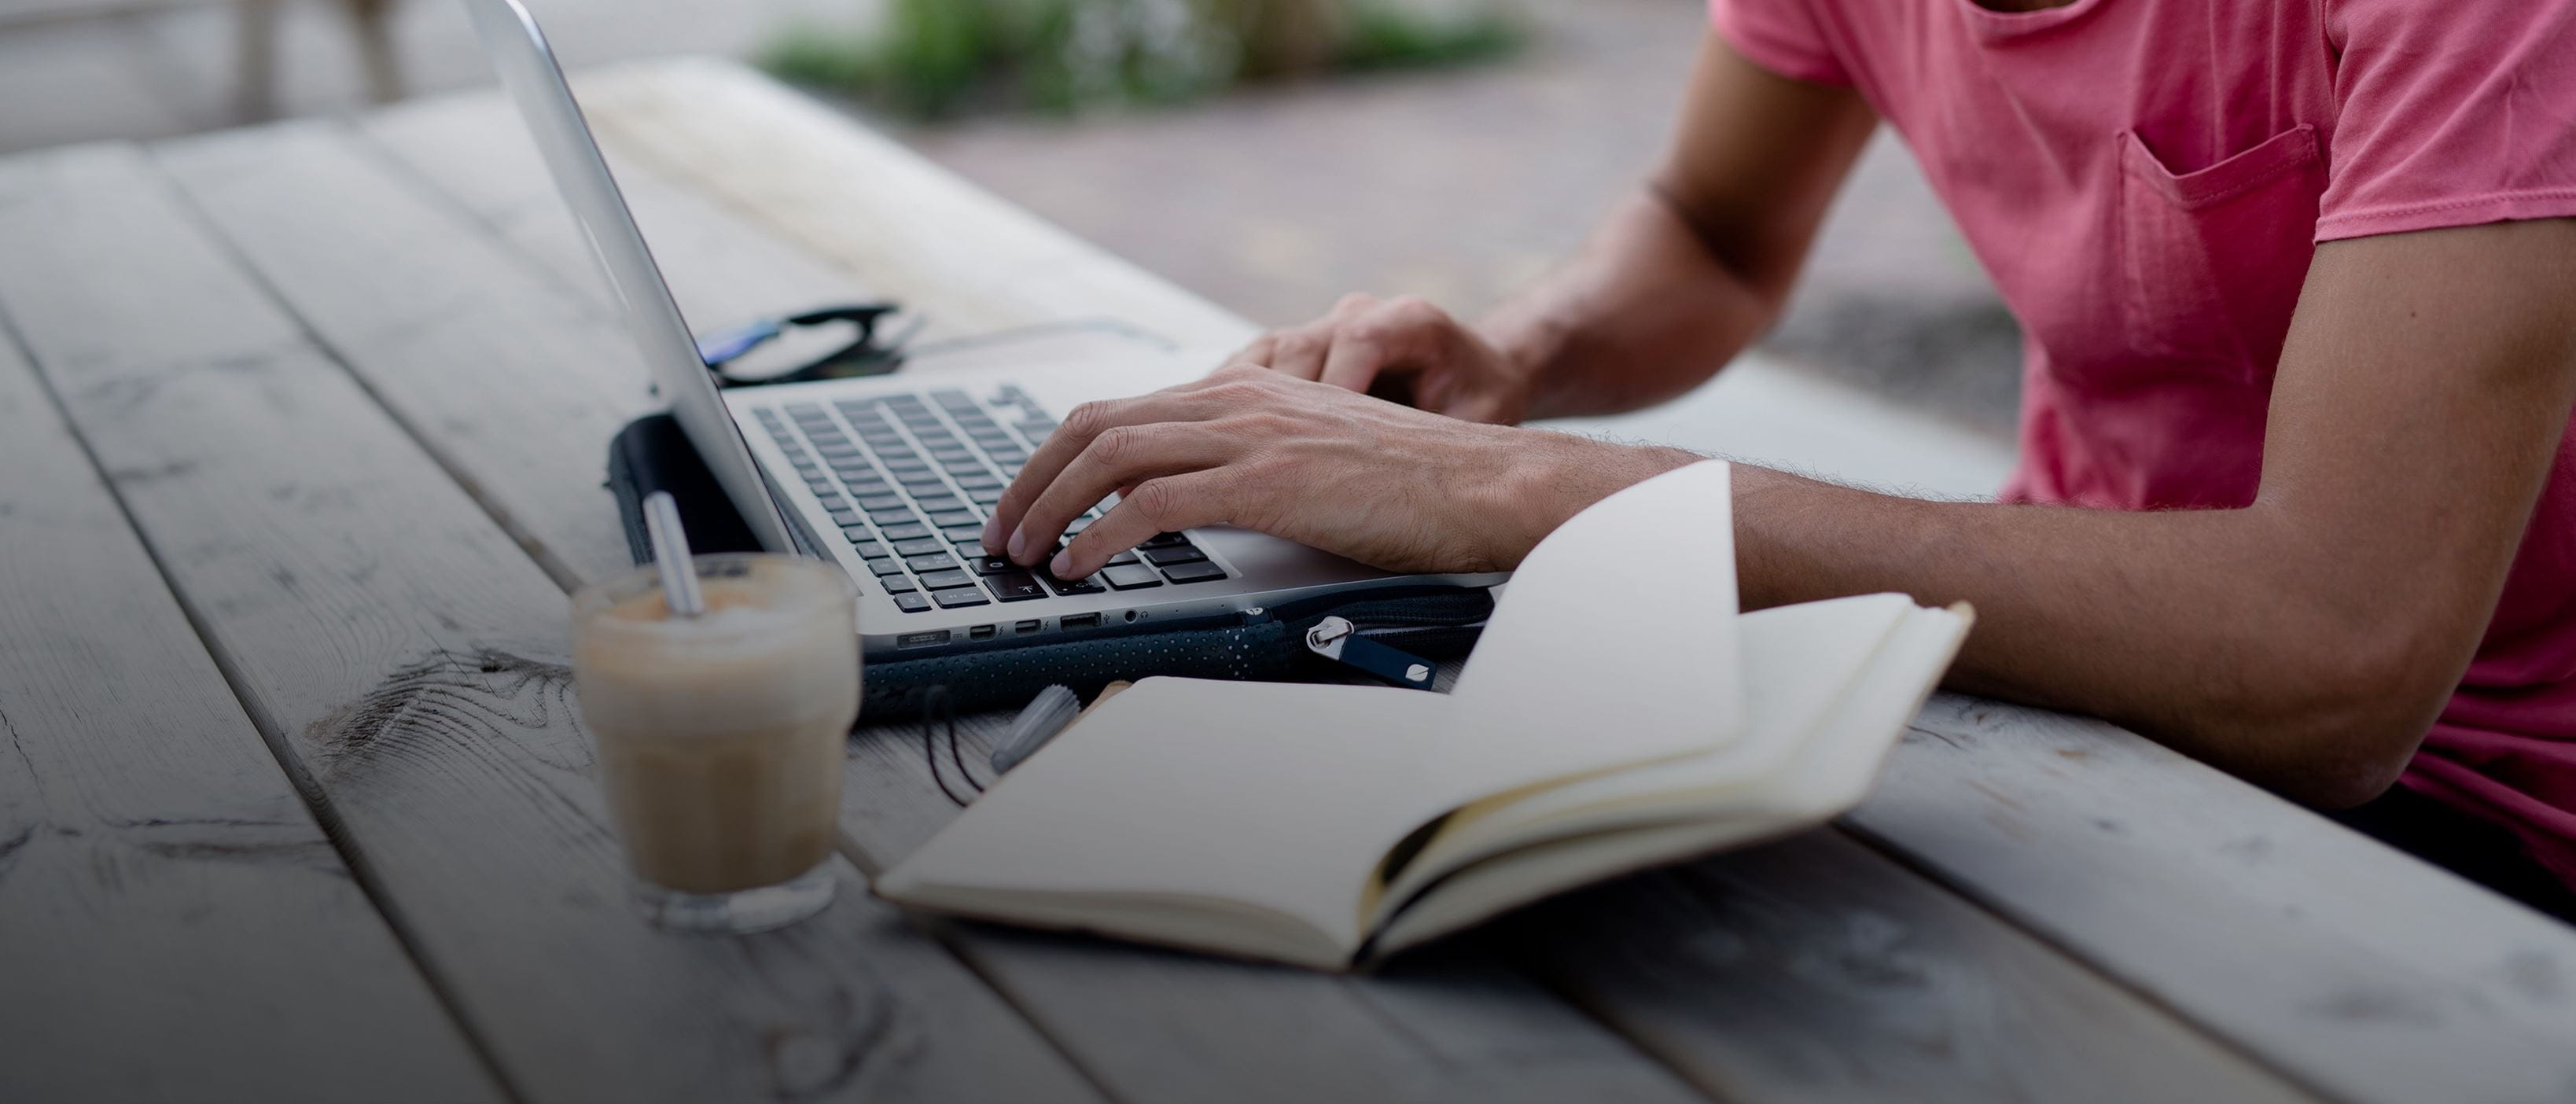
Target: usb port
{"points": [[1026, 627], [1082, 621], [980, 632], [922, 639]]}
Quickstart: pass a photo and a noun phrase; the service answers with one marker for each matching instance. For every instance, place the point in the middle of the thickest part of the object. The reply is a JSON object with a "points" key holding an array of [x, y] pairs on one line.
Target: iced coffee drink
{"points": [[720, 736]]}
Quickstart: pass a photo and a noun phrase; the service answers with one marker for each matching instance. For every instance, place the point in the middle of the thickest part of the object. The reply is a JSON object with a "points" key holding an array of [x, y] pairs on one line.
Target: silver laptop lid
{"points": [[528, 69]]}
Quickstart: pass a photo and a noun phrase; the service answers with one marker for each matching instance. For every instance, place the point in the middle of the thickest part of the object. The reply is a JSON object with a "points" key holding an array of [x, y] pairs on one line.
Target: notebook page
{"points": [[1280, 796], [1578, 672], [1798, 661], [1829, 773]]}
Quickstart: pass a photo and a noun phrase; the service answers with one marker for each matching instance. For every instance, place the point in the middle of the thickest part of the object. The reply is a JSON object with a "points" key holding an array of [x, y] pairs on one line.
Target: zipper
{"points": [[1337, 639]]}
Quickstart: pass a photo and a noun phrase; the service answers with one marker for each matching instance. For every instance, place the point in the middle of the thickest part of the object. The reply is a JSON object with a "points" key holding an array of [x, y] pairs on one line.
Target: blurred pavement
{"points": [[1459, 185]]}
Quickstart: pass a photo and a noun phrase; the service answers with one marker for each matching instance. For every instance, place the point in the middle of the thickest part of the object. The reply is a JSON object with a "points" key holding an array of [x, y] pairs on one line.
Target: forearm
{"points": [[1644, 313], [2218, 632]]}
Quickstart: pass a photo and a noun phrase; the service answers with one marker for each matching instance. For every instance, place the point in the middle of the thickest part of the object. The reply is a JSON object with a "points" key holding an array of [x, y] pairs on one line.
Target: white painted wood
{"points": [[2357, 969], [1725, 967], [1471, 1014], [404, 655], [173, 924]]}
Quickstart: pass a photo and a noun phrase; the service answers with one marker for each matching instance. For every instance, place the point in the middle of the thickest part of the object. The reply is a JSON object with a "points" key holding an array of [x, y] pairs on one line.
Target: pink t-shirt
{"points": [[2145, 181]]}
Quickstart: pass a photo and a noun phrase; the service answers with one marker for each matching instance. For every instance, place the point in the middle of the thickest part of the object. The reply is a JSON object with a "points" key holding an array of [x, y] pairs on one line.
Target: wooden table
{"points": [[301, 433]]}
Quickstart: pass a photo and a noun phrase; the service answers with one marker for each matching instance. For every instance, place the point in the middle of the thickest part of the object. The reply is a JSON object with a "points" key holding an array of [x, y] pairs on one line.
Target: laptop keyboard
{"points": [[909, 480]]}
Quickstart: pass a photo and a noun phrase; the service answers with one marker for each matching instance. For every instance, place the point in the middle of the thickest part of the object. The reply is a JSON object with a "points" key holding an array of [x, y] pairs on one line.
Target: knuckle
{"points": [[1156, 503], [1355, 301], [1086, 420], [1115, 445], [1415, 310]]}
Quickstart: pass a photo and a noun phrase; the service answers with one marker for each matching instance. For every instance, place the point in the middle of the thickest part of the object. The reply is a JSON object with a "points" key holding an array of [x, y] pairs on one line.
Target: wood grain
{"points": [[2360, 970], [1725, 967], [406, 656], [1301, 1034], [173, 924]]}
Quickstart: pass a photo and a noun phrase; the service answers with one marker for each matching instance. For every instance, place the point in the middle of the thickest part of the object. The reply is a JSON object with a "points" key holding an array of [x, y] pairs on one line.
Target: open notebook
{"points": [[1595, 731]]}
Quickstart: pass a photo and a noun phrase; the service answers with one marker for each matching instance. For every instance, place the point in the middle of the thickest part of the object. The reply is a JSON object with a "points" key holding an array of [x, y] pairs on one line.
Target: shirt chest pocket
{"points": [[2211, 260]]}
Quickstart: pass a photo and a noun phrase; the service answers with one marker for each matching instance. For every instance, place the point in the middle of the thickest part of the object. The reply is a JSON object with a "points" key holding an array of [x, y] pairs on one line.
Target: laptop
{"points": [[892, 477]]}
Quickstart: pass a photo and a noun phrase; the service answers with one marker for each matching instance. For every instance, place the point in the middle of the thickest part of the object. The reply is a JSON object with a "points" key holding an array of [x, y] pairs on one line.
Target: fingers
{"points": [[1164, 505], [1123, 456], [1080, 427]]}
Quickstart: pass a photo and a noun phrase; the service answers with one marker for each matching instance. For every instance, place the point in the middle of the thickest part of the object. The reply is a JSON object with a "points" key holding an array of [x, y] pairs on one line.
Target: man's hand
{"points": [[1392, 487], [1403, 349]]}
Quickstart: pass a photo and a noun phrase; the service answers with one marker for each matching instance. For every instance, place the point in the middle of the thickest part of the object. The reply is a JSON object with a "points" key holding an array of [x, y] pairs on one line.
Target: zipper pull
{"points": [[1336, 639]]}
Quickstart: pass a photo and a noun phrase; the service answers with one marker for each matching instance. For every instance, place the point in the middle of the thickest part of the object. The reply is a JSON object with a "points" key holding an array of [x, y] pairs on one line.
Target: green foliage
{"points": [[935, 58]]}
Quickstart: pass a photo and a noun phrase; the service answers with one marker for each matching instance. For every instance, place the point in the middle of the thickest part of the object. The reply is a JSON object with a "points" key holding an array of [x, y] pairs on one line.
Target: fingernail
{"points": [[992, 532], [1062, 565], [1019, 543]]}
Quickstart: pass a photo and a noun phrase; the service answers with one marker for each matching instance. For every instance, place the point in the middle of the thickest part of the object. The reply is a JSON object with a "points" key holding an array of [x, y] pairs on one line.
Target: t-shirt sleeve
{"points": [[2449, 115], [1781, 36]]}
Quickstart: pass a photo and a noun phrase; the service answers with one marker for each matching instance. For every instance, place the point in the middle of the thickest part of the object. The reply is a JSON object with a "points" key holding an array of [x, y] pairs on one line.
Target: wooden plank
{"points": [[1251, 1032], [2354, 981], [406, 658], [173, 924], [1725, 967], [2356, 968], [724, 267]]}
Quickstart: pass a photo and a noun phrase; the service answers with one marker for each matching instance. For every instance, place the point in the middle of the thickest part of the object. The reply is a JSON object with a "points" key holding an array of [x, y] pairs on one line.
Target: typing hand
{"points": [[1389, 486], [1403, 349]]}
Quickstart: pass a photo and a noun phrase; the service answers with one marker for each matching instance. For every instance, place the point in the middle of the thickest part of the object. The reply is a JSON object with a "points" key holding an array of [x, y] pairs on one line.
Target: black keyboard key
{"points": [[1009, 457], [898, 515], [957, 519], [906, 532], [976, 481], [833, 503], [844, 518], [870, 487], [912, 603], [881, 502], [991, 565], [1174, 557], [1017, 586], [943, 580], [923, 547], [885, 567], [953, 599], [1131, 577], [937, 503], [985, 496], [925, 565], [953, 399], [1073, 586], [1199, 572], [897, 454], [896, 584], [1123, 559], [921, 482], [964, 532], [1165, 540], [868, 549]]}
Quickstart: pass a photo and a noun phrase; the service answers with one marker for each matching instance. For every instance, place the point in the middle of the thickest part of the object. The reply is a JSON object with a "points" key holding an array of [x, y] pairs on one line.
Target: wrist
{"points": [[1529, 347], [1545, 478]]}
